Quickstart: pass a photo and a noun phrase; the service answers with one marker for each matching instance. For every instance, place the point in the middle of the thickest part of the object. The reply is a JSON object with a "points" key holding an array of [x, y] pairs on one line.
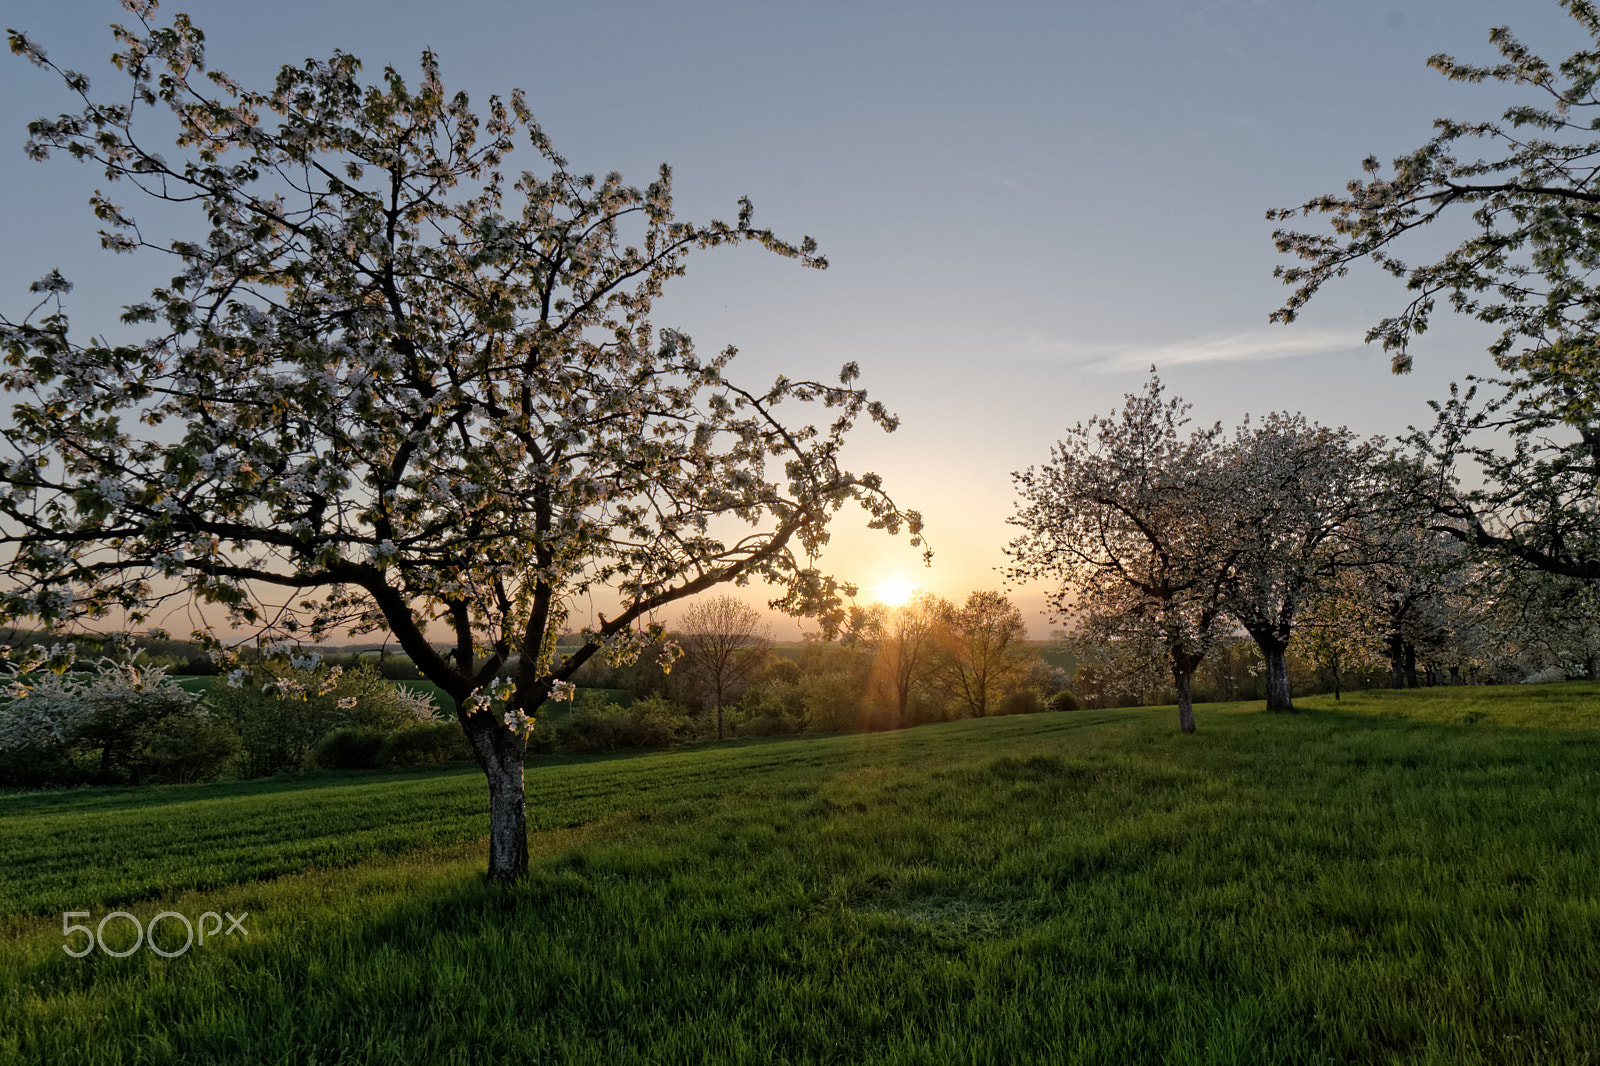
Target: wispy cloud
{"points": [[1010, 183], [1252, 346]]}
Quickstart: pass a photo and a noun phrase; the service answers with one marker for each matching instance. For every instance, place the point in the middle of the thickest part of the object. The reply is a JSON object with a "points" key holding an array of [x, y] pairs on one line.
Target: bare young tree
{"points": [[724, 642], [982, 653], [904, 642]]}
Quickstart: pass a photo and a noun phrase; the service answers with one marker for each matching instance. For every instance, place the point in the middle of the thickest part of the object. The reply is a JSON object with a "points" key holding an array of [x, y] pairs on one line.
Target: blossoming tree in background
{"points": [[1132, 520], [1300, 491]]}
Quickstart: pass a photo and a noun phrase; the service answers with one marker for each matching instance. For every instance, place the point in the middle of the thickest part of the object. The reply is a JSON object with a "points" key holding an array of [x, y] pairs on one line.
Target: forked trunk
{"points": [[500, 752]]}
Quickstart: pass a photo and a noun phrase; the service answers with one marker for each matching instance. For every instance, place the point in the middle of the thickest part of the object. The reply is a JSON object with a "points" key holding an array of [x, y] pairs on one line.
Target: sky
{"points": [[1024, 205]]}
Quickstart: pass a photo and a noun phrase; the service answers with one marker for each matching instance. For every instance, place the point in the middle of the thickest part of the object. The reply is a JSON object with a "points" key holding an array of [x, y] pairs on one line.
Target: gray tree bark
{"points": [[1278, 697], [500, 753], [1183, 668]]}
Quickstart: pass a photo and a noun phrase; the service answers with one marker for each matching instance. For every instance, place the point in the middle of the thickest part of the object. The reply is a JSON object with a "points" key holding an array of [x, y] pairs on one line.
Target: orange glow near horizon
{"points": [[892, 593]]}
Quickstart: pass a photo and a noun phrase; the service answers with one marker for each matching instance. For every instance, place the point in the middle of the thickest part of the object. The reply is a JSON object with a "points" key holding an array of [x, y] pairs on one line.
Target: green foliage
{"points": [[398, 668], [41, 765], [282, 710], [832, 679], [186, 749], [596, 724], [117, 721], [1065, 700], [769, 708], [928, 704], [371, 747], [607, 729], [1021, 701], [980, 652], [352, 747], [425, 745]]}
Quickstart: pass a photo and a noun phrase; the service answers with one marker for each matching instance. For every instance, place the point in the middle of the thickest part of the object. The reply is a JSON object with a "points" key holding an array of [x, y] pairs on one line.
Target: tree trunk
{"points": [[500, 752], [1278, 698], [1397, 660], [719, 719], [1183, 667], [1411, 666], [1180, 679]]}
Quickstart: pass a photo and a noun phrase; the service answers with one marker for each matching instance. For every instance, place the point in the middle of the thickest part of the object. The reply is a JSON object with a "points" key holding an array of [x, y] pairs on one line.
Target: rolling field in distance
{"points": [[1396, 877]]}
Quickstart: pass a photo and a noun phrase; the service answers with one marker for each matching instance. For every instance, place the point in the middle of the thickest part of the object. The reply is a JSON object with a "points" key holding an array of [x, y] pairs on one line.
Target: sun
{"points": [[893, 593]]}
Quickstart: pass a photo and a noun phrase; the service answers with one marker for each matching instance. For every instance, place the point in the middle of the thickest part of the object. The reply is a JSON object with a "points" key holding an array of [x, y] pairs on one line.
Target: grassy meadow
{"points": [[1395, 877]]}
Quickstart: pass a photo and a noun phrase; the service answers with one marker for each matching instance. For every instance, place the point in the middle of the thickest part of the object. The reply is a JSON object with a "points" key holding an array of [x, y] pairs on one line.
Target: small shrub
{"points": [[585, 731], [186, 749], [1065, 700], [398, 668], [657, 711], [768, 709], [598, 725], [425, 745], [771, 725], [925, 708], [608, 729], [1021, 701], [282, 711], [543, 740], [831, 700], [39, 766], [349, 748]]}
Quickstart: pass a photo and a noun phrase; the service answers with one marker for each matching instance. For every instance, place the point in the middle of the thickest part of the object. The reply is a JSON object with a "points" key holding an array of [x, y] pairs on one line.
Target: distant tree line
{"points": [[928, 660]]}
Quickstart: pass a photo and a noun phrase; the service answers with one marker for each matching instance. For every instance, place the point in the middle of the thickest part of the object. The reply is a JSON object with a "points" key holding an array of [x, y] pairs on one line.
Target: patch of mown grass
{"points": [[1328, 886], [1574, 705]]}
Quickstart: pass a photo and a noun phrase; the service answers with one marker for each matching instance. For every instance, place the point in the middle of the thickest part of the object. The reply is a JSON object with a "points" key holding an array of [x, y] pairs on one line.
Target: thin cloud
{"points": [[1009, 183], [1253, 346]]}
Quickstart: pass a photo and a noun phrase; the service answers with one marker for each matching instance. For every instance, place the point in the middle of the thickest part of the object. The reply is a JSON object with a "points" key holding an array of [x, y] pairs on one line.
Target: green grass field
{"points": [[1399, 877]]}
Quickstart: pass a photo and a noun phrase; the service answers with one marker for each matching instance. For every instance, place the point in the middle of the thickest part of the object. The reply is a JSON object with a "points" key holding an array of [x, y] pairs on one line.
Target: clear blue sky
{"points": [[1025, 204]]}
